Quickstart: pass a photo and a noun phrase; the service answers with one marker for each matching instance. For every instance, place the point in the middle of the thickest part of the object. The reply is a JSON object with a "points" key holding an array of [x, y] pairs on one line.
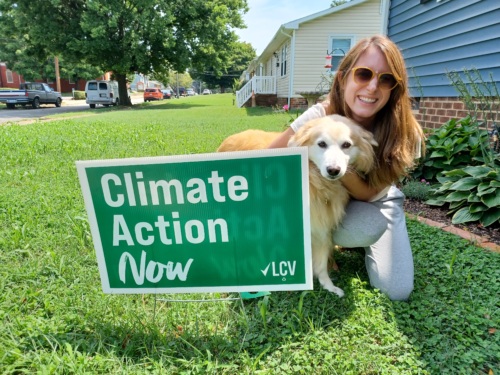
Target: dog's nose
{"points": [[333, 171]]}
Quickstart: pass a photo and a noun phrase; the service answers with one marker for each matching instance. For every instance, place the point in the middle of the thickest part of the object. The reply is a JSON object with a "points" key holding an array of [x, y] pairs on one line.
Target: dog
{"points": [[335, 145]]}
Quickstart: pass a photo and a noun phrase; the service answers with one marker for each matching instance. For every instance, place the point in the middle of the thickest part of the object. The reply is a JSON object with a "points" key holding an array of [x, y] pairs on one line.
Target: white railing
{"points": [[259, 85]]}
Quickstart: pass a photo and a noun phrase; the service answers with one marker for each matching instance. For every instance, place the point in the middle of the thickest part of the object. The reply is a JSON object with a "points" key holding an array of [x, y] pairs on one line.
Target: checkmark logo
{"points": [[264, 271]]}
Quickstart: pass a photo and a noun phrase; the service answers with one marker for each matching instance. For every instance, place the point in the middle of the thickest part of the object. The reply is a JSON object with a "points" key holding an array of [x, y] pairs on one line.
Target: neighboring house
{"points": [[439, 36], [142, 81], [8, 78], [294, 61]]}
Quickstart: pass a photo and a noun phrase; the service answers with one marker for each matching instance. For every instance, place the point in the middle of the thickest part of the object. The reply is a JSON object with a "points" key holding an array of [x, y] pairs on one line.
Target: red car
{"points": [[152, 94]]}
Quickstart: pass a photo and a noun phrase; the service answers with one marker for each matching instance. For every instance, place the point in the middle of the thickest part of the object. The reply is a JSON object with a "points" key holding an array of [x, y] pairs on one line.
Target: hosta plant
{"points": [[456, 144], [472, 194]]}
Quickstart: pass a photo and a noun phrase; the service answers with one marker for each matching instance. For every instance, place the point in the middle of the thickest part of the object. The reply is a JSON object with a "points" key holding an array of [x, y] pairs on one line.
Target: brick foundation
{"points": [[262, 100], [434, 112], [295, 103]]}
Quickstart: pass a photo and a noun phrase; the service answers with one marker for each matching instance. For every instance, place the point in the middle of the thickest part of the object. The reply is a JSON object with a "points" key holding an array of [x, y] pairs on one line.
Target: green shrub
{"points": [[78, 95], [471, 193], [463, 159], [418, 190], [456, 144]]}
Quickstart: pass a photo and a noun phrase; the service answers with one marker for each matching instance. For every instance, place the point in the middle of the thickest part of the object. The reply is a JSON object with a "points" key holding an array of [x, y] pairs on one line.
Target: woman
{"points": [[371, 87]]}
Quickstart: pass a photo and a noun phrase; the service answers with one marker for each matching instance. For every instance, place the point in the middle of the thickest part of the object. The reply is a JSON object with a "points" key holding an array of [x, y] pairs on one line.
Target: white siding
{"points": [[312, 40]]}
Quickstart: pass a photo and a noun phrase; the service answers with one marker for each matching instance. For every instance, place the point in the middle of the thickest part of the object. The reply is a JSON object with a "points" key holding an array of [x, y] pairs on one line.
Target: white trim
{"points": [[331, 37], [9, 75], [385, 6], [292, 68]]}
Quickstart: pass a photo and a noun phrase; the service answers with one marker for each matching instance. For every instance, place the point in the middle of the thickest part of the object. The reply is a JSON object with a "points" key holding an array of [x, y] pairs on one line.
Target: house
{"points": [[8, 78], [142, 81], [440, 36], [294, 61], [11, 79]]}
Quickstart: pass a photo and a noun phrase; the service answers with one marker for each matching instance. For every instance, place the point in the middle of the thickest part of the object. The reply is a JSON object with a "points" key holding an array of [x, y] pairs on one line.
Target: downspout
{"points": [[292, 63]]}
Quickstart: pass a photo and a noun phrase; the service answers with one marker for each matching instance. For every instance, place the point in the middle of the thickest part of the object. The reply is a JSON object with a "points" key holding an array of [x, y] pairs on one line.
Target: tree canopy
{"points": [[242, 54], [336, 3], [125, 36]]}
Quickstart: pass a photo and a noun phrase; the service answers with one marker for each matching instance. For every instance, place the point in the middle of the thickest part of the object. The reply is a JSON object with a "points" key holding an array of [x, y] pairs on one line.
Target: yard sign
{"points": [[234, 222]]}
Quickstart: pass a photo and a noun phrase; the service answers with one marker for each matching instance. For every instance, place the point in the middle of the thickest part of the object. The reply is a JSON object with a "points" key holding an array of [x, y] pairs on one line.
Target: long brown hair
{"points": [[395, 128]]}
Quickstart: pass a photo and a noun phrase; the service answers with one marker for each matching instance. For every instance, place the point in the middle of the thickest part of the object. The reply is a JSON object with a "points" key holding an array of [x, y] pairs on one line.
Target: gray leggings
{"points": [[380, 228]]}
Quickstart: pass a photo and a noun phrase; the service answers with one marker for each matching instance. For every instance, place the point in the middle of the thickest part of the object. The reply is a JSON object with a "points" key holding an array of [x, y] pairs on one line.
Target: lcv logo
{"points": [[281, 269]]}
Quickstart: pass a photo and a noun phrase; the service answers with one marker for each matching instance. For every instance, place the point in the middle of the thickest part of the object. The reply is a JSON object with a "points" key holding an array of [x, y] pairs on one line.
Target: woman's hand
{"points": [[283, 138], [358, 188]]}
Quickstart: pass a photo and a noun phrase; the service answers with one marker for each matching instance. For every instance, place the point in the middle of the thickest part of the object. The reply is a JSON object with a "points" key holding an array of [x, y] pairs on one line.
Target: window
{"points": [[339, 45], [10, 78], [284, 54]]}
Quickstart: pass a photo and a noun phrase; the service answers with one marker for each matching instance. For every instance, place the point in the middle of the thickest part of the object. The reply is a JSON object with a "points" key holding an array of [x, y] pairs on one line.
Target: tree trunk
{"points": [[123, 89]]}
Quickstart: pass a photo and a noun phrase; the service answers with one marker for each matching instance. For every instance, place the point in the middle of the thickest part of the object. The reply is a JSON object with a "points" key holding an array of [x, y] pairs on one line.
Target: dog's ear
{"points": [[364, 141], [368, 136]]}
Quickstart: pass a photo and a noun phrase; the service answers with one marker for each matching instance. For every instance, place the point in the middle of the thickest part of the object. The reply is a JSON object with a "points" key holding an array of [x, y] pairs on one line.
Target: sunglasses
{"points": [[363, 76]]}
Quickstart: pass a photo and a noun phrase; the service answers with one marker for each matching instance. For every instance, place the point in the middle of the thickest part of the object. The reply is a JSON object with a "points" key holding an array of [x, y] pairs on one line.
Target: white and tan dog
{"points": [[335, 144]]}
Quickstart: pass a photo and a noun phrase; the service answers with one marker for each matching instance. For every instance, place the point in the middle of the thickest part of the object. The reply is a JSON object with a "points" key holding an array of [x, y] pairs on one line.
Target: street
{"points": [[68, 105]]}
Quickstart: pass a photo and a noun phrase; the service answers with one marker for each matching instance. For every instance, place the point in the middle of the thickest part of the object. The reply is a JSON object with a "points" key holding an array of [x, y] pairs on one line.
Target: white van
{"points": [[102, 92]]}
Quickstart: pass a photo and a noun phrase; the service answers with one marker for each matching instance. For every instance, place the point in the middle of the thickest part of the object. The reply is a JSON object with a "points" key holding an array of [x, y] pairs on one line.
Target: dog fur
{"points": [[335, 144]]}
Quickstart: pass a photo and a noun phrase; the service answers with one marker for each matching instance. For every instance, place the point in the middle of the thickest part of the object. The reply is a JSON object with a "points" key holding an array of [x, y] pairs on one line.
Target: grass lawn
{"points": [[56, 320]]}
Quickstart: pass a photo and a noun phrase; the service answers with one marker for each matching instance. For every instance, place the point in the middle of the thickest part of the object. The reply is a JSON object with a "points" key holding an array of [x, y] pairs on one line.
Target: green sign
{"points": [[232, 222]]}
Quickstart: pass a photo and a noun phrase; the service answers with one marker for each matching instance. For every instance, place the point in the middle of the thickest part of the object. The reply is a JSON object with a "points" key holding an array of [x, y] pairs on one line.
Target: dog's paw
{"points": [[328, 285], [339, 292]]}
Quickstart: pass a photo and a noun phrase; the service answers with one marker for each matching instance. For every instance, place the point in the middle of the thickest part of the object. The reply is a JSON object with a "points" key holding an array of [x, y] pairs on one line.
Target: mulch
{"points": [[439, 214]]}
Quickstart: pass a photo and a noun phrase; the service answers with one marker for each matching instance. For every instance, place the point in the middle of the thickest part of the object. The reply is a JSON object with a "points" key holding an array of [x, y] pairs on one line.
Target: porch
{"points": [[263, 87], [265, 95]]}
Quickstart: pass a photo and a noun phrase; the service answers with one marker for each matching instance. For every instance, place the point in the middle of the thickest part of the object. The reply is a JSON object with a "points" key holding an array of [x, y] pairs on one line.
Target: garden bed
{"points": [[439, 214]]}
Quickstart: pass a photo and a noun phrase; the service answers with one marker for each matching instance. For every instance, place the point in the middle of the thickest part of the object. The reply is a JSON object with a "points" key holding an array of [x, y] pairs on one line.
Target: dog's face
{"points": [[334, 144]]}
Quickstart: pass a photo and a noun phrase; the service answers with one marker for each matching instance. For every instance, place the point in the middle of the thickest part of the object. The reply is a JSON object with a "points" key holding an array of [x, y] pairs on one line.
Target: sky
{"points": [[266, 16]]}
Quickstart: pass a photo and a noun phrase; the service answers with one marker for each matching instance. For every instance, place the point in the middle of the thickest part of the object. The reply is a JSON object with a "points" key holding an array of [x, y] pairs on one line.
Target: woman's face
{"points": [[365, 100]]}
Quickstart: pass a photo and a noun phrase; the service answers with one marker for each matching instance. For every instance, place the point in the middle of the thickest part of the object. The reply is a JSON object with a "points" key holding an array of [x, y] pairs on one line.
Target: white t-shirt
{"points": [[316, 111]]}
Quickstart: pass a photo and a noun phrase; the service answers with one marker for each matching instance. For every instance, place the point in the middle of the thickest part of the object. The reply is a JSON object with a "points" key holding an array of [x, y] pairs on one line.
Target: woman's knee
{"points": [[398, 292], [362, 225]]}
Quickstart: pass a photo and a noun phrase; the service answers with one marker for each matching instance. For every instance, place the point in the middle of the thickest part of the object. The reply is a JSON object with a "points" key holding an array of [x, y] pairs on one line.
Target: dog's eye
{"points": [[322, 144], [346, 145]]}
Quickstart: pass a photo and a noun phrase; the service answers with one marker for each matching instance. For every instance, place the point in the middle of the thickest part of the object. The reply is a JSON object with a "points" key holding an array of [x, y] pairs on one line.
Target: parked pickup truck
{"points": [[32, 93]]}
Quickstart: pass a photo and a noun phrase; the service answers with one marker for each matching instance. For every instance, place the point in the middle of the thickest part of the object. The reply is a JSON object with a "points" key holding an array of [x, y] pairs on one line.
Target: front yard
{"points": [[56, 320]]}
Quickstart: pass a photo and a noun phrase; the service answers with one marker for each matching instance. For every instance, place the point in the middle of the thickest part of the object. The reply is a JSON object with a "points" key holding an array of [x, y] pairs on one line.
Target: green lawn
{"points": [[56, 320]]}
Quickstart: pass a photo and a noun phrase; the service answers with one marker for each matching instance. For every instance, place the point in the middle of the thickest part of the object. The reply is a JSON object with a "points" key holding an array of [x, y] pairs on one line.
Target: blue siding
{"points": [[450, 35]]}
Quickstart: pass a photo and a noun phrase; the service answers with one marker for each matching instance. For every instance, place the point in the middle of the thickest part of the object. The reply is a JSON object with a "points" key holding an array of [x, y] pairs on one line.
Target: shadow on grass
{"points": [[169, 104], [173, 104], [234, 336]]}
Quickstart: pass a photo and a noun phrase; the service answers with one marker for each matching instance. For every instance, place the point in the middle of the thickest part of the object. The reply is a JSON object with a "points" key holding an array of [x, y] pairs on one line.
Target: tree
{"points": [[125, 36], [336, 3], [33, 62], [241, 54]]}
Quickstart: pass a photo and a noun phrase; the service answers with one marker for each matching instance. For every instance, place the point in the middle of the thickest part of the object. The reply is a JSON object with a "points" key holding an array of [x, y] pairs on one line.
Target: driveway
{"points": [[68, 105]]}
